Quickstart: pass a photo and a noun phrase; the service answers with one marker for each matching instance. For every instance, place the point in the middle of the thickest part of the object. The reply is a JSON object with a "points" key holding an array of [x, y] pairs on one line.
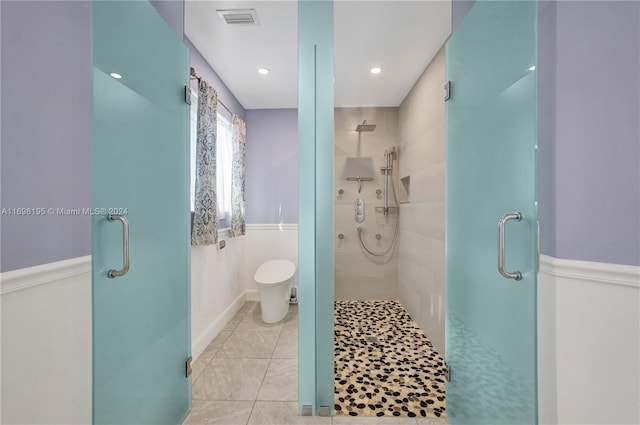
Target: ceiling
{"points": [[401, 37]]}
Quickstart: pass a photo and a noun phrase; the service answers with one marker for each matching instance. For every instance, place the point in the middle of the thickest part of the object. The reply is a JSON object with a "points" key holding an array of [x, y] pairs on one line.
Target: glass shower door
{"points": [[315, 200], [491, 173], [140, 175]]}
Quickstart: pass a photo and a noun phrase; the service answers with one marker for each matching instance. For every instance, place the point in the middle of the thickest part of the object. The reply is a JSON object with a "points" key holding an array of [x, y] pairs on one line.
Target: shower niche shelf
{"points": [[405, 190]]}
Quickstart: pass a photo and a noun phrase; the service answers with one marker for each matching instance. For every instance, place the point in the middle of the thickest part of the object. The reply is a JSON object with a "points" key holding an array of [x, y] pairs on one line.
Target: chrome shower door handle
{"points": [[515, 275], [125, 246]]}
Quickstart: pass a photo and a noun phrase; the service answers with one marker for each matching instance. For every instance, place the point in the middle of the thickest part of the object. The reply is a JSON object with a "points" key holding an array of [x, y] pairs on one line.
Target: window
{"points": [[224, 161], [224, 158]]}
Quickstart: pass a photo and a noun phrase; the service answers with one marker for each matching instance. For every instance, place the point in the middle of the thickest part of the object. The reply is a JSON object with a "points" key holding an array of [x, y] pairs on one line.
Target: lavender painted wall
{"points": [[46, 124], [459, 9], [46, 107], [597, 157], [546, 69], [588, 128], [204, 70], [272, 166]]}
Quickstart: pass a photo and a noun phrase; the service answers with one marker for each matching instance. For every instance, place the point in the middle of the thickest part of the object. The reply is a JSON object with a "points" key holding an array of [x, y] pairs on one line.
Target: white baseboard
{"points": [[204, 339], [252, 294]]}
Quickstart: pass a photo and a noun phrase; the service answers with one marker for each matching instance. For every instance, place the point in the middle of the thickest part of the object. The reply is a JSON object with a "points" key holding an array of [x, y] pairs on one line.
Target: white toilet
{"points": [[274, 279]]}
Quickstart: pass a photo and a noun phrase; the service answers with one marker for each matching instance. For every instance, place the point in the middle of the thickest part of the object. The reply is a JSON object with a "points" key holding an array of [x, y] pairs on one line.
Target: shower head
{"points": [[365, 127]]}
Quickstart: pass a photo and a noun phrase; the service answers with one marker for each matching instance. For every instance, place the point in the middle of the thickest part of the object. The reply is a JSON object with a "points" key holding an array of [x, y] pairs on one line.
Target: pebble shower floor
{"points": [[384, 364]]}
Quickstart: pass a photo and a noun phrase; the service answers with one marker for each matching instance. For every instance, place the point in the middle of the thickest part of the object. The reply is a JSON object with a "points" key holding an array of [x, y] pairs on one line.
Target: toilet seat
{"points": [[274, 272]]}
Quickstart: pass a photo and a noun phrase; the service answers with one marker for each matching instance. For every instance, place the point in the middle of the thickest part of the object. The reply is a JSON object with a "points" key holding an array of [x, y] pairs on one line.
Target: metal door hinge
{"points": [[447, 91], [188, 369], [187, 95], [447, 372]]}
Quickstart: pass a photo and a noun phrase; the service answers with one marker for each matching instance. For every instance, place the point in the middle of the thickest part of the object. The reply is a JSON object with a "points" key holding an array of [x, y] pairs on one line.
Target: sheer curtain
{"points": [[224, 143], [205, 221], [237, 177]]}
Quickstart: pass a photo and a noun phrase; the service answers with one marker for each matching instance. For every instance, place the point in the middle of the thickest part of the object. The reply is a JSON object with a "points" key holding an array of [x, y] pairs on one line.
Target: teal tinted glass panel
{"points": [[141, 336], [491, 171], [323, 16], [315, 226], [306, 213]]}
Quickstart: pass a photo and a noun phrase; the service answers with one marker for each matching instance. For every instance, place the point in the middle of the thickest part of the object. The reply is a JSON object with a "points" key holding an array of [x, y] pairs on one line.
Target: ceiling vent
{"points": [[239, 17]]}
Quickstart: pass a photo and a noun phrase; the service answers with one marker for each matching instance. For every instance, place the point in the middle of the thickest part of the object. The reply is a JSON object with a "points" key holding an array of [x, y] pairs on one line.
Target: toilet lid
{"points": [[274, 271]]}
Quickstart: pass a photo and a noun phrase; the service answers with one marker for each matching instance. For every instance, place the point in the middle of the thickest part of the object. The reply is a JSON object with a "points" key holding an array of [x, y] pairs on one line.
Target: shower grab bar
{"points": [[125, 246], [515, 275]]}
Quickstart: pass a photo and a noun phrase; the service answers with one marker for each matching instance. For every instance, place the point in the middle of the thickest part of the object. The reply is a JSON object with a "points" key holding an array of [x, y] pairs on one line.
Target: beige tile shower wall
{"points": [[421, 260], [359, 276]]}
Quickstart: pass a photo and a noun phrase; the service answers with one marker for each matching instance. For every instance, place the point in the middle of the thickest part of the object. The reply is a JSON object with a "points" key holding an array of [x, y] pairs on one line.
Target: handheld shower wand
{"points": [[387, 171]]}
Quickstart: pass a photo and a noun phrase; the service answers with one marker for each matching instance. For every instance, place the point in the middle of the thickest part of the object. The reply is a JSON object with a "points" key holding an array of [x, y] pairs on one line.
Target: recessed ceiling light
{"points": [[116, 75], [531, 68], [376, 70], [263, 71]]}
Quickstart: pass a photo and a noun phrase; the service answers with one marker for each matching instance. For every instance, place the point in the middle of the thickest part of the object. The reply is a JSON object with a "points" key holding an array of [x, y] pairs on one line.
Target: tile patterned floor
{"points": [[385, 365], [248, 376]]}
